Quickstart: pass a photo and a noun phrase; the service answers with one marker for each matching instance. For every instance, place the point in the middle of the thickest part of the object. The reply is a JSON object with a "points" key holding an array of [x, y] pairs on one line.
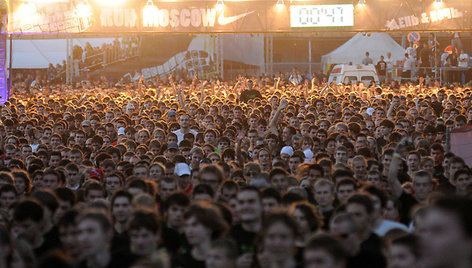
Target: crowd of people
{"points": [[257, 172]]}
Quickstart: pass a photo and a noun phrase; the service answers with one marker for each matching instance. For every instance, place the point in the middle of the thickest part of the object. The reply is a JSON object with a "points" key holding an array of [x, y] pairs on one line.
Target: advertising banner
{"points": [[460, 143], [130, 16]]}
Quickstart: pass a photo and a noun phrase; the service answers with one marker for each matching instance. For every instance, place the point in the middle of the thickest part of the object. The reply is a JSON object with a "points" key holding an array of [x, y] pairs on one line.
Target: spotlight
{"points": [[438, 3], [83, 10], [26, 10], [280, 4], [150, 13], [361, 2], [220, 5]]}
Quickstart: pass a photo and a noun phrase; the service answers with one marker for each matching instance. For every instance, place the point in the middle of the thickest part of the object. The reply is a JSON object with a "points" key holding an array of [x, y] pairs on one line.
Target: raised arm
{"points": [[202, 92], [273, 122], [393, 181], [390, 109]]}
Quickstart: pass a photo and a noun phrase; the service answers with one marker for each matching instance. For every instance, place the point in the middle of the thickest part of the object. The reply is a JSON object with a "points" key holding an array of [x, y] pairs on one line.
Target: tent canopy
{"points": [[353, 51], [38, 54]]}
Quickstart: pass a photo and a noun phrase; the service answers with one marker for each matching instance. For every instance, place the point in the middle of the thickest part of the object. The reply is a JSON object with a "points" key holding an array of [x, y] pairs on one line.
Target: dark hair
{"points": [[229, 184], [99, 216], [329, 244], [203, 189], [374, 190], [411, 241], [146, 219], [209, 217], [28, 210], [7, 188], [291, 197], [363, 200], [271, 193], [277, 171], [317, 167], [311, 214], [177, 198], [121, 193], [212, 169], [282, 217], [138, 183], [66, 194], [93, 185], [68, 219], [47, 198], [346, 181], [342, 173]]}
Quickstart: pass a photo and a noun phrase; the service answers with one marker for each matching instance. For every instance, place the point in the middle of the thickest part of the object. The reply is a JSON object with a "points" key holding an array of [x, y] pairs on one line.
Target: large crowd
{"points": [[256, 172]]}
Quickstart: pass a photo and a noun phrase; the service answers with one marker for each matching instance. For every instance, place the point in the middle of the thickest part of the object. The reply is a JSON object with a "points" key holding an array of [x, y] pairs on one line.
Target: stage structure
{"points": [[180, 16]]}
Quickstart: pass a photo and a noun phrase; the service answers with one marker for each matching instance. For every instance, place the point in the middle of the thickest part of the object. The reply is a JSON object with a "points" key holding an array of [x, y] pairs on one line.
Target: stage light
{"points": [[26, 10], [150, 14], [280, 4], [83, 10], [438, 3], [220, 5], [110, 3]]}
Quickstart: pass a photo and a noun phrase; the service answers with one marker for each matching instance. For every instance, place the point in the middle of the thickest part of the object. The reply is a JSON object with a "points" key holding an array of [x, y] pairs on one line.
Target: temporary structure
{"points": [[353, 51]]}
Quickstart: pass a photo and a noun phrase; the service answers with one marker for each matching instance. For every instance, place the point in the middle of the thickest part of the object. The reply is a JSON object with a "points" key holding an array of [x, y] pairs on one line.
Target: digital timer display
{"points": [[321, 15]]}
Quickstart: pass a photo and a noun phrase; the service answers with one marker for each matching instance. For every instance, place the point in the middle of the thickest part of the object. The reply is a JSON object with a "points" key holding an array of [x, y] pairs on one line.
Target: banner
{"points": [[130, 16], [460, 142]]}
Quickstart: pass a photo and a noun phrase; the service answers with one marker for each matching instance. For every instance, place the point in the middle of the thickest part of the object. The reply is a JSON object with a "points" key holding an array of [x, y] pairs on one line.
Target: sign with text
{"points": [[82, 16]]}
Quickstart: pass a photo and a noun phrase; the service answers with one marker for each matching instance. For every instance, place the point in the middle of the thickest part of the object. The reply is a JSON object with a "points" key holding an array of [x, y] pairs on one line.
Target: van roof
{"points": [[341, 68]]}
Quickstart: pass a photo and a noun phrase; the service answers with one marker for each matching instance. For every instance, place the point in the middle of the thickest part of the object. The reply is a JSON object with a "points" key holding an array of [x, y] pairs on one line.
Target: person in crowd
{"points": [[203, 224], [404, 251], [278, 242], [324, 250]]}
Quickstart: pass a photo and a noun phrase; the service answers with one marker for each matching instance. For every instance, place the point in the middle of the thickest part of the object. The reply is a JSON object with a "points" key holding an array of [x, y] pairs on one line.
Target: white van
{"points": [[344, 73]]}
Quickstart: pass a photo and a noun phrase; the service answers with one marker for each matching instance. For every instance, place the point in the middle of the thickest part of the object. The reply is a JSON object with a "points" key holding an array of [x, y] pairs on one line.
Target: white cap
{"points": [[308, 155], [182, 169], [370, 111], [121, 131], [287, 150]]}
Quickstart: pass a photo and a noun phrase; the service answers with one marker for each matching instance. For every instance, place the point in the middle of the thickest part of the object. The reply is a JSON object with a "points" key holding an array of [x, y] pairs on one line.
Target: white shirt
{"points": [[463, 63], [389, 62], [408, 64], [388, 225], [444, 58], [34, 147], [411, 52], [180, 135]]}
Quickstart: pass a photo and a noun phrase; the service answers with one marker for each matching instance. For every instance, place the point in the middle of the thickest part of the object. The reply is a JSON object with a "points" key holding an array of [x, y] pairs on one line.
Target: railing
{"points": [[109, 54], [285, 67], [442, 74]]}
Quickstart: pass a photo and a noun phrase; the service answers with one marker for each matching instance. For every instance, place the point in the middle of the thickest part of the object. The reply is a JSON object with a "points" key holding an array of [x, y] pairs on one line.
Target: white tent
{"points": [[353, 51], [37, 54]]}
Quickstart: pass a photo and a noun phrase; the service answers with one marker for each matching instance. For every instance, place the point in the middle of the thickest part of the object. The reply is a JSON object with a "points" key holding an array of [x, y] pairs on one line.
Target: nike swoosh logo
{"points": [[222, 20]]}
